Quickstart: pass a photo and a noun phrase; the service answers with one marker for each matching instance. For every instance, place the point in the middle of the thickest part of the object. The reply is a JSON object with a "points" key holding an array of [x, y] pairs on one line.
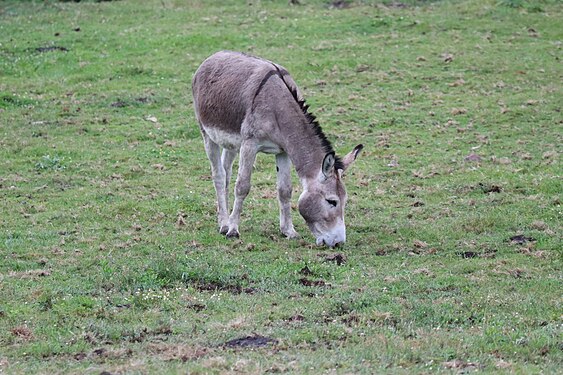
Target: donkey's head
{"points": [[323, 199]]}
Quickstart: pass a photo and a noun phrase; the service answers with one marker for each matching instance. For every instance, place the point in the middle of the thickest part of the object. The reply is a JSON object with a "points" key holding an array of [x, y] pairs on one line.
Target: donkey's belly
{"points": [[225, 139]]}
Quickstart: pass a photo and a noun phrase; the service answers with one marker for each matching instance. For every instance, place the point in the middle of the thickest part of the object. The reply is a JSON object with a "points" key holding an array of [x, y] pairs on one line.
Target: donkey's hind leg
{"points": [[283, 165], [247, 157], [227, 159], [219, 175]]}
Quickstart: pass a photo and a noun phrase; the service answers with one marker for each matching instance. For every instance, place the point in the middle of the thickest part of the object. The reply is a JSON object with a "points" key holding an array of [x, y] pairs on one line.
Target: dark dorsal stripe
{"points": [[262, 83], [311, 119]]}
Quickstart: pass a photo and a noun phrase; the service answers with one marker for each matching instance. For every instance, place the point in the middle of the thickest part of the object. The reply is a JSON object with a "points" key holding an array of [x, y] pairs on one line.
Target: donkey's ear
{"points": [[328, 164], [351, 156]]}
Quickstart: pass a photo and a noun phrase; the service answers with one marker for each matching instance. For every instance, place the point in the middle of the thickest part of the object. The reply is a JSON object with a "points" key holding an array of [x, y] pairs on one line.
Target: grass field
{"points": [[110, 259]]}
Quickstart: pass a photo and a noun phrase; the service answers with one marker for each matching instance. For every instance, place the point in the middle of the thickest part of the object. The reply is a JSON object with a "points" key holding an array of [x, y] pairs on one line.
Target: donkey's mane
{"points": [[312, 120]]}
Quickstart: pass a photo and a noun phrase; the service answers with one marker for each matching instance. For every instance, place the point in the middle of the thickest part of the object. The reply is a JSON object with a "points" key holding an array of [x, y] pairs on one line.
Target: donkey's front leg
{"points": [[283, 165], [248, 152]]}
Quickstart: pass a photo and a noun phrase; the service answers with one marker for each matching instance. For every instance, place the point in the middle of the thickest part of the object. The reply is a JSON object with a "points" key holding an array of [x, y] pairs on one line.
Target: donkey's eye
{"points": [[332, 202]]}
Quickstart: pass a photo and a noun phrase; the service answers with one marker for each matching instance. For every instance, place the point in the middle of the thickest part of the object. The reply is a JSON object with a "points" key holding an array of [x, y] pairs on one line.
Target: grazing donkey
{"points": [[246, 105]]}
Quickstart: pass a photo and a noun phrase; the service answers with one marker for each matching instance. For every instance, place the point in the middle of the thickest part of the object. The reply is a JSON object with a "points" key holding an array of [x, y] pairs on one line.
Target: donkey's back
{"points": [[224, 87]]}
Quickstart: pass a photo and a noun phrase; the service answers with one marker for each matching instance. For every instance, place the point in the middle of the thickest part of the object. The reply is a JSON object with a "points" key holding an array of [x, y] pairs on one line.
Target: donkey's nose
{"points": [[337, 244], [334, 242], [331, 241]]}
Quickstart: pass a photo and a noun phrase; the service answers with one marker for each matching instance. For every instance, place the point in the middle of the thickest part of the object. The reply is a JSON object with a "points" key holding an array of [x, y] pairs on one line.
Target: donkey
{"points": [[245, 105]]}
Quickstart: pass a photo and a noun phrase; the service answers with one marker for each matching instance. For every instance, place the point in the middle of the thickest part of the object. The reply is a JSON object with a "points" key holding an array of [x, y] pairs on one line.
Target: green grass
{"points": [[109, 255]]}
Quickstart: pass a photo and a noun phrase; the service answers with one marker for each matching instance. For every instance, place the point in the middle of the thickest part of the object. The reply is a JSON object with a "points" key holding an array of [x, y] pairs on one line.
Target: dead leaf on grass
{"points": [[525, 156], [521, 239], [458, 111], [152, 119], [539, 225], [502, 364], [487, 189], [420, 244], [549, 155], [306, 271], [296, 318], [431, 251], [502, 161], [517, 273], [423, 271], [352, 319], [533, 33], [460, 364], [29, 274], [172, 352], [424, 175], [269, 194], [468, 254], [307, 282], [459, 82], [22, 332], [108, 353], [337, 258], [473, 157], [482, 138], [362, 68], [181, 220], [447, 57], [383, 317]]}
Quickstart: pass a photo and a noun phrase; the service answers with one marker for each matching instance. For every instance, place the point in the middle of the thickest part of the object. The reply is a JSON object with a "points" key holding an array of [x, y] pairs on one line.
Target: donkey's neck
{"points": [[307, 158], [305, 147], [301, 136]]}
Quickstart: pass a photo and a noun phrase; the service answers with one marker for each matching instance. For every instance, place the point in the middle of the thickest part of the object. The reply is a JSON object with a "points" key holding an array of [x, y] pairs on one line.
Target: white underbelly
{"points": [[230, 141], [268, 147]]}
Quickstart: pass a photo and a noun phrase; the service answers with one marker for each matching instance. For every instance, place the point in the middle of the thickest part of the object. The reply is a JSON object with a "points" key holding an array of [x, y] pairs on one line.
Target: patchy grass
{"points": [[110, 259]]}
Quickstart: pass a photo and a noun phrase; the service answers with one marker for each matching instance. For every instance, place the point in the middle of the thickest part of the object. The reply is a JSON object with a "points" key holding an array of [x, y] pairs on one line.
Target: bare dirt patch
{"points": [[51, 49], [337, 258], [22, 332], [308, 282], [250, 342], [29, 274], [172, 352], [521, 239]]}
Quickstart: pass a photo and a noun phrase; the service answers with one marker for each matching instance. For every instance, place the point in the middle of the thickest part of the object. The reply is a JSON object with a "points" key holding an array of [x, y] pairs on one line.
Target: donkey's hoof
{"points": [[233, 234], [291, 234], [224, 229]]}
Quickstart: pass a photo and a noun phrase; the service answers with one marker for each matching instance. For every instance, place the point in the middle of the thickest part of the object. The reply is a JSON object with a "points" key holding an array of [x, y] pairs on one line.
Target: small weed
{"points": [[50, 163], [512, 3], [12, 100]]}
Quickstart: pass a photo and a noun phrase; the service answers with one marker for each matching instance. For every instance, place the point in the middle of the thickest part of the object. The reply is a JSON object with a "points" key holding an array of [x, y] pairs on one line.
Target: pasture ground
{"points": [[109, 257]]}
